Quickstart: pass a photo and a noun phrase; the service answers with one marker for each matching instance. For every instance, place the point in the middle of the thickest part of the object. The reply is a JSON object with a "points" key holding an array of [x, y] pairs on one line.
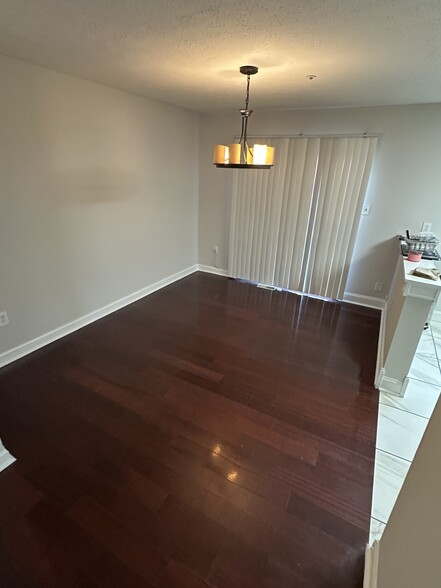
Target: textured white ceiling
{"points": [[187, 52]]}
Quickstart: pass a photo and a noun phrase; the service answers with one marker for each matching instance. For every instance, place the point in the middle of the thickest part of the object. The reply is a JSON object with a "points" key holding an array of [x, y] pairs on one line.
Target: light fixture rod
{"points": [[248, 70], [247, 99], [245, 114]]}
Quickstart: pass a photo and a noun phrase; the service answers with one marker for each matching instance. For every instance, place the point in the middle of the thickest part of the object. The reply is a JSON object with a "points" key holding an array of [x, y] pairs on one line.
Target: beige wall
{"points": [[409, 551], [98, 196], [404, 191]]}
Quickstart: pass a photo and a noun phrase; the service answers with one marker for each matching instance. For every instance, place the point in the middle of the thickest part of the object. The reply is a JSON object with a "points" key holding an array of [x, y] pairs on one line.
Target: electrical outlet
{"points": [[426, 227], [215, 248], [378, 286], [366, 209], [4, 320]]}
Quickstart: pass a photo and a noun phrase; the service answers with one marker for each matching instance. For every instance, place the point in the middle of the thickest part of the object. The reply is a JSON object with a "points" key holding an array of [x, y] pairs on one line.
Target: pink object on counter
{"points": [[412, 256]]}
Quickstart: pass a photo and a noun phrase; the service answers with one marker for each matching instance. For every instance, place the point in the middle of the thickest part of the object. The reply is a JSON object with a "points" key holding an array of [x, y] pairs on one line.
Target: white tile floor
{"points": [[401, 425], [399, 432]]}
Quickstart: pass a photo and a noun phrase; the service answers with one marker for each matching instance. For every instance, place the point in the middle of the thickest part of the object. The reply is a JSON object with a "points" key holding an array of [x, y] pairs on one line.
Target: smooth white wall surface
{"points": [[409, 551], [404, 189], [98, 196]]}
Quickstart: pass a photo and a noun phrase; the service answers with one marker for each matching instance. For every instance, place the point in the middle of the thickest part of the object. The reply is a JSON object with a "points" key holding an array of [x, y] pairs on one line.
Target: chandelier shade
{"points": [[242, 155]]}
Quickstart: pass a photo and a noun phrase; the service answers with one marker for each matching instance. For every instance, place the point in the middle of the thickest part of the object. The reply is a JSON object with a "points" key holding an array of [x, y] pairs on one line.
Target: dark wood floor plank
{"points": [[139, 555], [194, 538], [17, 495], [279, 575], [179, 576], [237, 565], [212, 435], [329, 522]]}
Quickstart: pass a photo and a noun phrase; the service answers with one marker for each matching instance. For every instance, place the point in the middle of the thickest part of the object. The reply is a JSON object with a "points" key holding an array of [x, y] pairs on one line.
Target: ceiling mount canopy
{"points": [[241, 155]]}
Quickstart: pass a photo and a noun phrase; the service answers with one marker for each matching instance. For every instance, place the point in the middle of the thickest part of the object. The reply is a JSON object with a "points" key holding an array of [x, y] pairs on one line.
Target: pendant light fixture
{"points": [[241, 155]]}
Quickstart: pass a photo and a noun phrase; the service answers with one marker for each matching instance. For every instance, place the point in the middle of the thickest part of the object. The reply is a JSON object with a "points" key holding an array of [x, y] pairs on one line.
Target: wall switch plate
{"points": [[426, 227], [378, 286], [366, 209], [4, 320]]}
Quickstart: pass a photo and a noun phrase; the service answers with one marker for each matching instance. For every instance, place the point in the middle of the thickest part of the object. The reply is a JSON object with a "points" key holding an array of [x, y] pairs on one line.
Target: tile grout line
{"points": [[404, 410], [423, 381], [393, 454], [436, 351]]}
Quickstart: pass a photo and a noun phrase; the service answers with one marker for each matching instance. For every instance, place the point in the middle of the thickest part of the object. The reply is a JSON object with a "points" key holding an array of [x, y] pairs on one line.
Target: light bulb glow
{"points": [[259, 154]]}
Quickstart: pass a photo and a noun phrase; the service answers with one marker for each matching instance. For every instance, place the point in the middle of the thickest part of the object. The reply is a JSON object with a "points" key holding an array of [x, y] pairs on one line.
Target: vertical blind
{"points": [[294, 227]]}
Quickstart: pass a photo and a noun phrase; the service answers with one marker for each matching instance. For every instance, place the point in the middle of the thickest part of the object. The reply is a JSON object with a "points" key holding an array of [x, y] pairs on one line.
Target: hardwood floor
{"points": [[213, 434]]}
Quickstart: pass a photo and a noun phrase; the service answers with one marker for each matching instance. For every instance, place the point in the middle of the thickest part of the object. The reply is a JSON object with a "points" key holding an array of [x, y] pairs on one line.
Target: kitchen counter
{"points": [[409, 307]]}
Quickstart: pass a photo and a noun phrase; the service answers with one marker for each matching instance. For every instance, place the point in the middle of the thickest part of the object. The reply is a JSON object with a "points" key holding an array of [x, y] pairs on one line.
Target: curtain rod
{"points": [[318, 136]]}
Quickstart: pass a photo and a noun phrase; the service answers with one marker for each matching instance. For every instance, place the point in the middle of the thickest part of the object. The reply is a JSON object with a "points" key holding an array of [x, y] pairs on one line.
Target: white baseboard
{"points": [[391, 385], [371, 565], [6, 459], [369, 301], [361, 300], [380, 351], [26, 348], [212, 270]]}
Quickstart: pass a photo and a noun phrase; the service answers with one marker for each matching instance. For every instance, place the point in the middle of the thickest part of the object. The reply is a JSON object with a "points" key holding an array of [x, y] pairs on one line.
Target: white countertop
{"points": [[427, 263]]}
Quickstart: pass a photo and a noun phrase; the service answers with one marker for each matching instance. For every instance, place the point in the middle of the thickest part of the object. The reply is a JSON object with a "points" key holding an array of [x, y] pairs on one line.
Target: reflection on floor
{"points": [[401, 425]]}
